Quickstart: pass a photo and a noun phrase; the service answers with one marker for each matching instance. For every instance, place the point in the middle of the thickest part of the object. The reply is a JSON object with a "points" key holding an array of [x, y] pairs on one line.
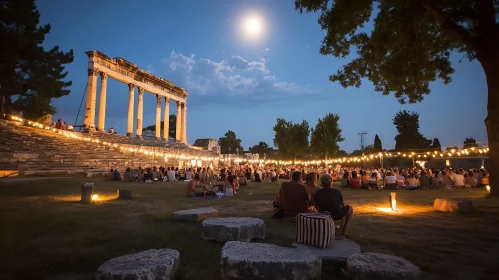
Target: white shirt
{"points": [[188, 175], [260, 174], [391, 179], [459, 180], [171, 175]]}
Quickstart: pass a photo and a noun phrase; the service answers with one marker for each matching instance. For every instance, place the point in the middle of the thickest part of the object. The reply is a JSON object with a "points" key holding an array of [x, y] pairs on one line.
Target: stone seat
{"points": [[335, 255], [233, 229], [248, 261], [152, 264], [462, 205], [381, 266], [198, 214]]}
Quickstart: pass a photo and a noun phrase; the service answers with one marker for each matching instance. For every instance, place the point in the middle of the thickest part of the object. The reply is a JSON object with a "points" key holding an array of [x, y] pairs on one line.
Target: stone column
{"points": [[166, 126], [89, 121], [158, 116], [102, 102], [140, 112], [178, 130], [131, 92], [184, 121]]}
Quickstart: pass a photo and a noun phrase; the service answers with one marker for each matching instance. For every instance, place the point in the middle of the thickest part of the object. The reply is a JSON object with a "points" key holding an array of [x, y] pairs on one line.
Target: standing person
{"points": [[330, 200], [294, 196]]}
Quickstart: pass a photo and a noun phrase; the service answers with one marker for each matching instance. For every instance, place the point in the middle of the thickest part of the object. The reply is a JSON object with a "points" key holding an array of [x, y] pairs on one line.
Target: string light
{"points": [[127, 148]]}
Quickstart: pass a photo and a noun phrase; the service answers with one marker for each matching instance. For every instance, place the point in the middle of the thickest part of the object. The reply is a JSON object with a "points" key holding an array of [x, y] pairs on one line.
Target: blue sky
{"points": [[242, 83]]}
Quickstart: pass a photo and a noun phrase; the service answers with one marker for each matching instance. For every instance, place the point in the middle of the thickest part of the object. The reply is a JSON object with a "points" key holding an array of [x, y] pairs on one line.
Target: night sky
{"points": [[242, 80]]}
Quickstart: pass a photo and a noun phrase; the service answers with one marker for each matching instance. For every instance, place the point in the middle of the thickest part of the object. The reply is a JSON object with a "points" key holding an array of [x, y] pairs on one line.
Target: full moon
{"points": [[253, 26]]}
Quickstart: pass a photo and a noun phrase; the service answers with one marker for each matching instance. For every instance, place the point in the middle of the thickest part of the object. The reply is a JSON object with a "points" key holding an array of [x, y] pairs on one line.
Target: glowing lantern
{"points": [[95, 197], [393, 201], [487, 188]]}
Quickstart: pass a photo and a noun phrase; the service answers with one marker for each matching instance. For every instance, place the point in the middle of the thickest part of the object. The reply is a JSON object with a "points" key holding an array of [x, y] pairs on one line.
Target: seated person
{"points": [[171, 175], [330, 200], [390, 181], [109, 176], [373, 181], [148, 175], [311, 185], [345, 180], [294, 196], [411, 180], [230, 186], [400, 180], [192, 187], [188, 174], [127, 176], [471, 180], [364, 178], [355, 182], [243, 181], [273, 176], [156, 174], [116, 175]]}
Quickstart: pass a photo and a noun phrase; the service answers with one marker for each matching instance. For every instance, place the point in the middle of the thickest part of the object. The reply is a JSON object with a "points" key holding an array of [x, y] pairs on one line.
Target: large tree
{"points": [[377, 144], [291, 139], [409, 46], [409, 137], [262, 149], [230, 144], [28, 72], [172, 127], [326, 135], [469, 143]]}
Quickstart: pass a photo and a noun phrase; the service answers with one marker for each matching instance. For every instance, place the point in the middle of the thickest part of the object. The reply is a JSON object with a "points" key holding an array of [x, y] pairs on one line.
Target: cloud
{"points": [[236, 81]]}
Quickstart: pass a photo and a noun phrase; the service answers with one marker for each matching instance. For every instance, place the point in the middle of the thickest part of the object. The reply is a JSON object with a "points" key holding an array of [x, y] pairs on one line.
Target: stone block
{"points": [[233, 229], [197, 214], [124, 194], [86, 192], [462, 205], [335, 255], [248, 261], [152, 264], [377, 266]]}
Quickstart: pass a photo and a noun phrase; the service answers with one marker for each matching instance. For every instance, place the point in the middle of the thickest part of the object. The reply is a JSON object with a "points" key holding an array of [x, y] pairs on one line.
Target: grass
{"points": [[46, 233]]}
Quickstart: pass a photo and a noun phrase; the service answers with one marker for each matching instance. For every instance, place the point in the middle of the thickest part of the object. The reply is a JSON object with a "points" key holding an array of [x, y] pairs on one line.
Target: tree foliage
{"points": [[230, 144], [469, 143], [378, 147], [27, 70], [436, 145], [410, 43], [409, 137], [172, 127], [291, 139], [326, 135], [262, 149]]}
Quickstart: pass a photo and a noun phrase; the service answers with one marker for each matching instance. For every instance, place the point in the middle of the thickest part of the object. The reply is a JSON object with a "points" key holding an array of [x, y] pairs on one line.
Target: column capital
{"points": [[131, 87], [141, 90], [103, 76], [167, 99], [178, 102], [92, 72]]}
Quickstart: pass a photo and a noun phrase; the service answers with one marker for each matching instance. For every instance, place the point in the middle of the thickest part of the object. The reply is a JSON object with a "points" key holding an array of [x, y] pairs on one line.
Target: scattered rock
{"points": [[462, 205], [151, 265], [245, 260], [377, 266], [335, 255], [233, 229], [198, 214]]}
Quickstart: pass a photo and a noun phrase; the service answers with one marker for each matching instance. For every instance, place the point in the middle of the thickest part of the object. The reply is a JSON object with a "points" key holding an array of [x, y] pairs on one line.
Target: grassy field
{"points": [[46, 233]]}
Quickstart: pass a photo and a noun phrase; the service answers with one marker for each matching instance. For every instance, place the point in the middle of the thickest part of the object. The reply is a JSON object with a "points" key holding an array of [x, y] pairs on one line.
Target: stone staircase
{"points": [[36, 150]]}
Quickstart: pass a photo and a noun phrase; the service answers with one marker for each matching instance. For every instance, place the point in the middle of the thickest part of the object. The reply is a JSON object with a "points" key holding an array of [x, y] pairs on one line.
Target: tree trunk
{"points": [[491, 68]]}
